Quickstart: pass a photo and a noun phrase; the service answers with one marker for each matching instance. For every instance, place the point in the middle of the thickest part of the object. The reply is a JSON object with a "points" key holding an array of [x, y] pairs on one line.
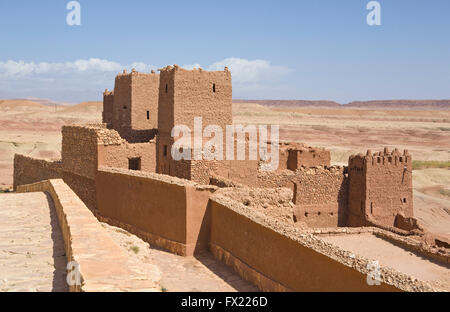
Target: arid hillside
{"points": [[385, 105]]}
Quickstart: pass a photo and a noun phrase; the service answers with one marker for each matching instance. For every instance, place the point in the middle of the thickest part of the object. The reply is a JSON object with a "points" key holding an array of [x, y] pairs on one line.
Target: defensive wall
{"points": [[28, 170], [166, 211], [320, 196]]}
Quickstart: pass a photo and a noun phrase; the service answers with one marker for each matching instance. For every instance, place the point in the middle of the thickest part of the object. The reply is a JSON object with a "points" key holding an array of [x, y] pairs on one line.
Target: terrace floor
{"points": [[390, 255], [32, 256]]}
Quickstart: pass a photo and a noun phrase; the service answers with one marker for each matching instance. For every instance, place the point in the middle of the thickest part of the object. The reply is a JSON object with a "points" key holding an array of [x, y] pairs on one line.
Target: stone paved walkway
{"points": [[32, 256]]}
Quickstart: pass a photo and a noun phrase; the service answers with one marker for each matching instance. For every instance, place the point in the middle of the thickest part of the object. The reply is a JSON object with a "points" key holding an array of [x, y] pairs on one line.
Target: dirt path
{"points": [[202, 273], [32, 256]]}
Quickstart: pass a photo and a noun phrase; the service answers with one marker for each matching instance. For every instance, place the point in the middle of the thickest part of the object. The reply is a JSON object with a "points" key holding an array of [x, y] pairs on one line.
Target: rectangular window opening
{"points": [[134, 163], [148, 115]]}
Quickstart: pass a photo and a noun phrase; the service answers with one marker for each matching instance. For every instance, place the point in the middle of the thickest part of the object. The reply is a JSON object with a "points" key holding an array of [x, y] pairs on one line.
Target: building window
{"points": [[214, 87], [148, 115], [404, 200], [165, 151], [124, 107], [167, 88], [134, 163]]}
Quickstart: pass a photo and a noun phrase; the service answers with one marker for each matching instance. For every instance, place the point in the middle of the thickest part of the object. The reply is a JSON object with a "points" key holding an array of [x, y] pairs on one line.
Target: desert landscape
{"points": [[33, 128]]}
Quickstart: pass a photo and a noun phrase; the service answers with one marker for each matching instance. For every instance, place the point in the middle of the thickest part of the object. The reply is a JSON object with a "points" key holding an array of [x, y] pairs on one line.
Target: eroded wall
{"points": [[308, 157], [29, 170], [320, 196]]}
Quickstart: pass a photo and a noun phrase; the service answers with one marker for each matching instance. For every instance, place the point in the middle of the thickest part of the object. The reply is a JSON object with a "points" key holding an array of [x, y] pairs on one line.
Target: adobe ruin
{"points": [[123, 171]]}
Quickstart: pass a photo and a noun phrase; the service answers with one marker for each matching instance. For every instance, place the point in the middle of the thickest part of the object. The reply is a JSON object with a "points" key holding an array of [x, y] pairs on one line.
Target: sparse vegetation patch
{"points": [[419, 164]]}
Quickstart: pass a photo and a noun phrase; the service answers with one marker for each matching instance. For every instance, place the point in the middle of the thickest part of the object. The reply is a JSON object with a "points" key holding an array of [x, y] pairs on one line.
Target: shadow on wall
{"points": [[59, 254]]}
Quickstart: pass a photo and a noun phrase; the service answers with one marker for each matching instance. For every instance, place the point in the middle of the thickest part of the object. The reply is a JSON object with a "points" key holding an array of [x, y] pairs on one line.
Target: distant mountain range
{"points": [[46, 102], [384, 104]]}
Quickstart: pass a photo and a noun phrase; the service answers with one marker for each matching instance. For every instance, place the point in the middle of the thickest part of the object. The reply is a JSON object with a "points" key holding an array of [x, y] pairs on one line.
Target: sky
{"points": [[310, 49]]}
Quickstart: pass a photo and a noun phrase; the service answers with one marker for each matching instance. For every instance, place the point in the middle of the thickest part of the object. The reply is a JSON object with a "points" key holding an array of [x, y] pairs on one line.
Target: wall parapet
{"points": [[102, 263], [298, 260], [169, 212]]}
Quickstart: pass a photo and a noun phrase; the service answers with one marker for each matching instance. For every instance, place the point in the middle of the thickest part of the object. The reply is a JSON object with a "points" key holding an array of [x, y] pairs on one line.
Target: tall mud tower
{"points": [[380, 187], [133, 106], [184, 95]]}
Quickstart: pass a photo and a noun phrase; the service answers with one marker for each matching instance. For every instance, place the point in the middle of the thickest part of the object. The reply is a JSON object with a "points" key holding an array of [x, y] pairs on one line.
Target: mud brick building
{"points": [[124, 172]]}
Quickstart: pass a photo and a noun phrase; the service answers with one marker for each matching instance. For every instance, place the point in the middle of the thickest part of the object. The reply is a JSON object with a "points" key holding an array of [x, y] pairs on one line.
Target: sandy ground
{"points": [[32, 256], [33, 129], [175, 273], [390, 255]]}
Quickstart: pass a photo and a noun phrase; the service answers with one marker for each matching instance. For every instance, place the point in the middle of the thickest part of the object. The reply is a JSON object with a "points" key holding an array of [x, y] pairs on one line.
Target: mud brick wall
{"points": [[84, 187], [134, 103], [144, 97], [137, 136], [238, 171], [117, 156], [29, 170], [276, 259], [387, 186], [80, 146], [357, 190], [274, 179], [166, 211], [183, 95], [321, 196], [108, 106], [308, 157], [122, 101], [199, 93], [79, 150]]}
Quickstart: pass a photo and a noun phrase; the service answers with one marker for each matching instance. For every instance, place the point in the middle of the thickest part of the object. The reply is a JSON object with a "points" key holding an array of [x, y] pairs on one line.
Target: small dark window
{"points": [[148, 115], [124, 107], [306, 214], [165, 151], [404, 200], [134, 163], [214, 87], [167, 88]]}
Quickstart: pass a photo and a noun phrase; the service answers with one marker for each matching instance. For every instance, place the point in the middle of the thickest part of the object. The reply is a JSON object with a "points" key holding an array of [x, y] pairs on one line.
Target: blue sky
{"points": [[315, 49]]}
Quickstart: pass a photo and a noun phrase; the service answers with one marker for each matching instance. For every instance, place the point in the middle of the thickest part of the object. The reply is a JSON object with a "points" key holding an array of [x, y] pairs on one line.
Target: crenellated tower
{"points": [[380, 187]]}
